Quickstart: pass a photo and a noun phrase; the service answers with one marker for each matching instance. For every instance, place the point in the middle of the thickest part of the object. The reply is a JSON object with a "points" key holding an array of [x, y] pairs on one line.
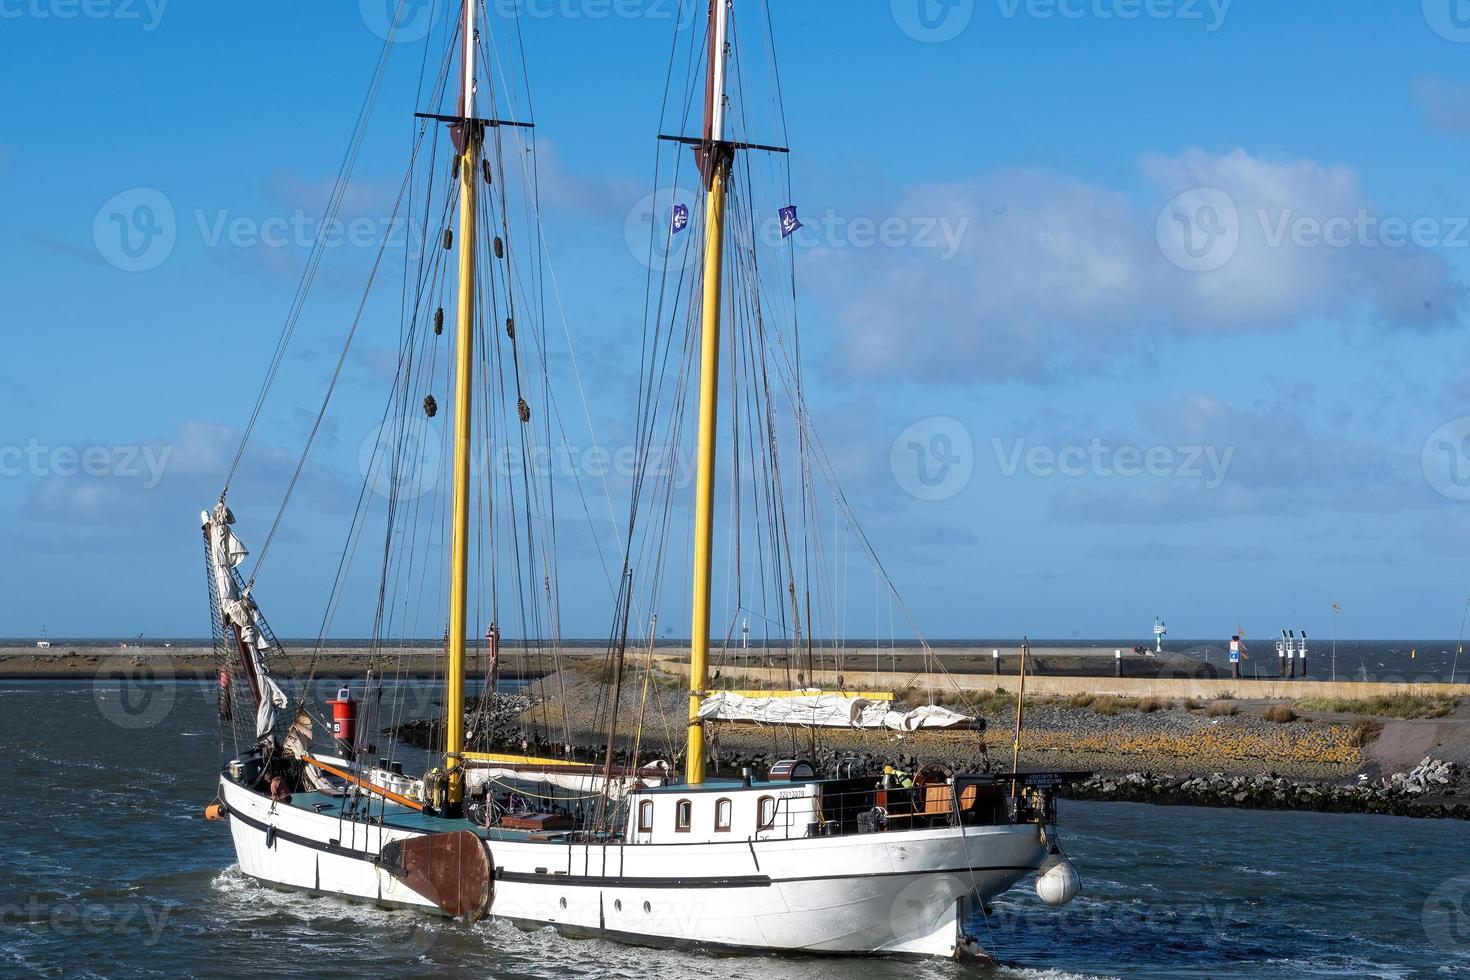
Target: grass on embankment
{"points": [[1108, 704], [1384, 706], [1363, 731], [998, 701]]}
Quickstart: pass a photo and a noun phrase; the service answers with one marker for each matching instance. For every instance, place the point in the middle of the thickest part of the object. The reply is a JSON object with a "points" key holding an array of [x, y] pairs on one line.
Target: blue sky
{"points": [[1168, 319]]}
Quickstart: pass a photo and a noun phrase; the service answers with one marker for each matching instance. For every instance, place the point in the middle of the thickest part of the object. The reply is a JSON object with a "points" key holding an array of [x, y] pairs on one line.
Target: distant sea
{"points": [[1405, 661]]}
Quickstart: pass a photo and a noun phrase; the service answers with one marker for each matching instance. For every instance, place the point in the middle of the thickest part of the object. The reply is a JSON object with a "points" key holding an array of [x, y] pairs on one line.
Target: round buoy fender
{"points": [[1057, 881]]}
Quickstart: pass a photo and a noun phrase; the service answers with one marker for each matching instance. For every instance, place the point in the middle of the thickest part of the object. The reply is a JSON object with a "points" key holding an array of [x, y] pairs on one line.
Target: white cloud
{"points": [[1310, 244], [1285, 459], [79, 500], [292, 191], [1194, 551], [1056, 276], [594, 196], [1446, 106]]}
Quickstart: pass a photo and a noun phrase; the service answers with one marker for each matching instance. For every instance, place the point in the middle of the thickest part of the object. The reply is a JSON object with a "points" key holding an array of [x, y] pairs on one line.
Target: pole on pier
{"points": [[1235, 656], [995, 659], [1117, 663], [1336, 609]]}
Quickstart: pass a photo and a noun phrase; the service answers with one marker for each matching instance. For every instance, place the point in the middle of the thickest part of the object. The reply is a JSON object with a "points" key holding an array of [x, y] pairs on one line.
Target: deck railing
{"points": [[883, 808]]}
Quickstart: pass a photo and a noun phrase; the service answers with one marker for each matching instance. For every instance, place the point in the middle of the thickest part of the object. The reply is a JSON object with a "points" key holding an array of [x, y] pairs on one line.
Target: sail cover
{"points": [[237, 609], [588, 784], [827, 711]]}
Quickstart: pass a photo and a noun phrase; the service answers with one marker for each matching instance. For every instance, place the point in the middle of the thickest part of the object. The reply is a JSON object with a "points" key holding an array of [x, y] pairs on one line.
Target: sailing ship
{"points": [[599, 840]]}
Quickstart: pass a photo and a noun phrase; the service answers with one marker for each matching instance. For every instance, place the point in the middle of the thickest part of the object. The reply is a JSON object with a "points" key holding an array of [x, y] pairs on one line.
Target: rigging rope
{"points": [[308, 277]]}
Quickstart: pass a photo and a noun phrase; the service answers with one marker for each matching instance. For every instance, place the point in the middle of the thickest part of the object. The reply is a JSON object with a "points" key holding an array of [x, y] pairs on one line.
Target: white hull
{"points": [[897, 892]]}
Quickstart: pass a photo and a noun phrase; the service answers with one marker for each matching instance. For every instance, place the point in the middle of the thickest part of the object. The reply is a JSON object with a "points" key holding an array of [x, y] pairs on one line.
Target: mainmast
{"points": [[468, 143], [715, 155]]}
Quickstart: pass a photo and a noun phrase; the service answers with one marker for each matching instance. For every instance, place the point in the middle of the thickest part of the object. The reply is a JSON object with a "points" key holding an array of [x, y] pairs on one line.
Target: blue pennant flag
{"points": [[680, 221], [789, 223]]}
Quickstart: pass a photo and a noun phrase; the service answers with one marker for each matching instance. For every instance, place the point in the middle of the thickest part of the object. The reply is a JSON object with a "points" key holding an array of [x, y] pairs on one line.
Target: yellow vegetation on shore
{"points": [[1328, 745]]}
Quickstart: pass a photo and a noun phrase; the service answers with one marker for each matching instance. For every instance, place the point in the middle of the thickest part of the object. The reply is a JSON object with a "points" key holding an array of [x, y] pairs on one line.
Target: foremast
{"points": [[468, 143], [715, 154]]}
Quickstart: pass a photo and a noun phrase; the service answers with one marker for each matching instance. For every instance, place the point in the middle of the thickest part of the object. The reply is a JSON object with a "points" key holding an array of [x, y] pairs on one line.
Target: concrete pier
{"points": [[1045, 685]]}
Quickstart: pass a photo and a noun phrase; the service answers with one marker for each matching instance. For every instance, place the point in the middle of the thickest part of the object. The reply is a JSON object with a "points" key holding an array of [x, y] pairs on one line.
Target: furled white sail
{"points": [[826, 711], [226, 552], [588, 783]]}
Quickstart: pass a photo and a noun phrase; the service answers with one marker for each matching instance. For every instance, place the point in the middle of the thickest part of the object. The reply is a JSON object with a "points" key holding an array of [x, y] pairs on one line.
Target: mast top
{"points": [[478, 121], [471, 45], [719, 51]]}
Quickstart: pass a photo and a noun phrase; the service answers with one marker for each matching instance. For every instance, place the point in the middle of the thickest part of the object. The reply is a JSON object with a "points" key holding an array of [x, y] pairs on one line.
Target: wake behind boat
{"points": [[607, 840]]}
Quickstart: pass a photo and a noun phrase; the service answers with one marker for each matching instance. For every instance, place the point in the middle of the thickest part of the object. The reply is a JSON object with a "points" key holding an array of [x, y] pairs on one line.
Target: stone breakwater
{"points": [[1055, 737], [1219, 754], [492, 722], [1431, 789]]}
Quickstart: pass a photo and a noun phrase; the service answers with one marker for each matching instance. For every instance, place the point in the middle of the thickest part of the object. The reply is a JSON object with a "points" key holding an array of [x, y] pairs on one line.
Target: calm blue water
{"points": [[106, 869]]}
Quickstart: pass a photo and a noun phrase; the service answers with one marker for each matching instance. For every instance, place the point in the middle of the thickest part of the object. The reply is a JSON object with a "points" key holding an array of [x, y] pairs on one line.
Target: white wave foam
{"points": [[1246, 869]]}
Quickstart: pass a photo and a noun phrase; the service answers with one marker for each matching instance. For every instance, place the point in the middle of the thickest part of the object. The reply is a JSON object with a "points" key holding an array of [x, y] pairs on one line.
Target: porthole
{"points": [[647, 907], [563, 903], [617, 905]]}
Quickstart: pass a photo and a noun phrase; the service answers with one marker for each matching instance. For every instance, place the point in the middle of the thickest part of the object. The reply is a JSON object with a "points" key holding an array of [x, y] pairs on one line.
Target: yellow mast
{"points": [[463, 384], [1020, 711], [716, 160]]}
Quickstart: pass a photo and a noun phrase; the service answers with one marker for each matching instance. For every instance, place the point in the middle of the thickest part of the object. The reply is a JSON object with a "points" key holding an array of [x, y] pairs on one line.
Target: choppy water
{"points": [[106, 870]]}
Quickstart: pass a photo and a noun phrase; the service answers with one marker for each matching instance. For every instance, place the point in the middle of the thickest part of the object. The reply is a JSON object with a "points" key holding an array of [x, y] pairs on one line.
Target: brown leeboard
{"points": [[450, 869]]}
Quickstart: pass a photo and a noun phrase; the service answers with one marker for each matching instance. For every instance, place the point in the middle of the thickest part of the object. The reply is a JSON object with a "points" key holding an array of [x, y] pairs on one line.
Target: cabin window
{"points": [[683, 816], [645, 817], [722, 814], [765, 813]]}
